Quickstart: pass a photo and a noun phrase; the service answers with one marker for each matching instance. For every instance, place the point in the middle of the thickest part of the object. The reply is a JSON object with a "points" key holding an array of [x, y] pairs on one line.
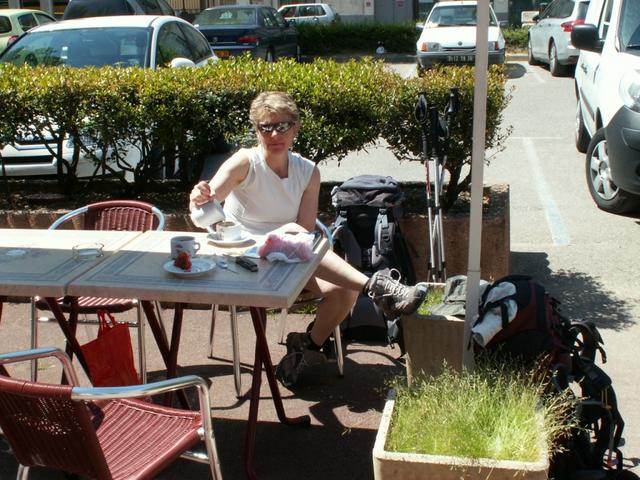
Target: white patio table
{"points": [[136, 270], [41, 262]]}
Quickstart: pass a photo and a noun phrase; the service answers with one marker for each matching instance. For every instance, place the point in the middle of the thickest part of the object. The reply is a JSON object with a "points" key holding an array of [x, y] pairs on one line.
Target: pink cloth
{"points": [[287, 247]]}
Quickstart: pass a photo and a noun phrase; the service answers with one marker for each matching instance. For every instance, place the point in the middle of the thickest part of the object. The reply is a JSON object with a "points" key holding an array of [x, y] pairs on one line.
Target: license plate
{"points": [[222, 53], [460, 58]]}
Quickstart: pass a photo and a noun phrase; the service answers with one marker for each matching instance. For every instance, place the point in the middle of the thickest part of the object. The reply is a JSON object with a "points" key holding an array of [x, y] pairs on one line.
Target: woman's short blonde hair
{"points": [[280, 103]]}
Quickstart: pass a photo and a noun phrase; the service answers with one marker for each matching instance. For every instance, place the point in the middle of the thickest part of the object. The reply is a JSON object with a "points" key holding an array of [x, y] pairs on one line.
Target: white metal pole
{"points": [[477, 172]]}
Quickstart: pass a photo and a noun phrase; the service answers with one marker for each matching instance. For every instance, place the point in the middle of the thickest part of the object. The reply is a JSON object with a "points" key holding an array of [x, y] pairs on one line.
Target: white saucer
{"points": [[244, 238], [199, 267]]}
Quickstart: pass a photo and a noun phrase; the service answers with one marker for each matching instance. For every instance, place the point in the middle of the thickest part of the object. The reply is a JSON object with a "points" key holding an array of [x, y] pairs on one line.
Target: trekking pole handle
{"points": [[421, 108], [434, 121], [454, 103]]}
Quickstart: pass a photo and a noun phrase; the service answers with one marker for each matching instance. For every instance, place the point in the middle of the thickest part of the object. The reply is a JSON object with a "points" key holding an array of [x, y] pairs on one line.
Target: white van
{"points": [[607, 80]]}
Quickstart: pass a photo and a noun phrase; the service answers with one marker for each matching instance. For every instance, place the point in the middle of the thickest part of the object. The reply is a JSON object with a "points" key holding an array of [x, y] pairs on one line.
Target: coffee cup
{"points": [[207, 214], [229, 231], [184, 244]]}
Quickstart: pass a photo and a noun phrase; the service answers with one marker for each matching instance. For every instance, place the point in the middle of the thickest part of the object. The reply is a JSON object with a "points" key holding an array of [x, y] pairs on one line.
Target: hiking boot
{"points": [[393, 297], [298, 356]]}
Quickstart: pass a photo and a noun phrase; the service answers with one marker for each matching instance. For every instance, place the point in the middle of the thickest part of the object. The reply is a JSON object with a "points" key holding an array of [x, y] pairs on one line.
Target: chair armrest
{"points": [[38, 353], [67, 216], [325, 231], [136, 391]]}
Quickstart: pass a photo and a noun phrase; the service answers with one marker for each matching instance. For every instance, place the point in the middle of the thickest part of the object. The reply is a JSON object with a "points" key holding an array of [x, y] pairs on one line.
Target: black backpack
{"points": [[569, 348], [367, 234]]}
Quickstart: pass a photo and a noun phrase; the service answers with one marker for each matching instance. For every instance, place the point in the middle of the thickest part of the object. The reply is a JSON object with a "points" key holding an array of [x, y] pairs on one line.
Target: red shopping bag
{"points": [[110, 356]]}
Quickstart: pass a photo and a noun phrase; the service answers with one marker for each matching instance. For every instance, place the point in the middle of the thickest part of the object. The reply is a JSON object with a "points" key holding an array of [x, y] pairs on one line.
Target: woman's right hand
{"points": [[201, 193]]}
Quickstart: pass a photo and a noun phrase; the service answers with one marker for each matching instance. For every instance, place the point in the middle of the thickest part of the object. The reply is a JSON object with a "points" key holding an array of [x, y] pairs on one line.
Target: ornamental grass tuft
{"points": [[488, 413]]}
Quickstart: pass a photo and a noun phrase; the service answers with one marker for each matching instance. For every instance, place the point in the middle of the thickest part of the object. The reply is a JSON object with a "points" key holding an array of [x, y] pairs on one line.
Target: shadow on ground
{"points": [[581, 296]]}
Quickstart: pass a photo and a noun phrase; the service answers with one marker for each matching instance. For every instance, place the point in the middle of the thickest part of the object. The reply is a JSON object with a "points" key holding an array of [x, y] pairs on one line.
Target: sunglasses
{"points": [[280, 127]]}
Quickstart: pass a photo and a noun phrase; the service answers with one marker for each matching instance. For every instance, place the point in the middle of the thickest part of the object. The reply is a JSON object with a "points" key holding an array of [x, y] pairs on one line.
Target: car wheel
{"points": [[581, 134], [531, 59], [604, 192], [556, 69], [270, 57]]}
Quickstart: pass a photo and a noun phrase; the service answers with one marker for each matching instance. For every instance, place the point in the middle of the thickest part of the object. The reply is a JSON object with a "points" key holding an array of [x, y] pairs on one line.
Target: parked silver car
{"points": [[309, 12], [550, 37]]}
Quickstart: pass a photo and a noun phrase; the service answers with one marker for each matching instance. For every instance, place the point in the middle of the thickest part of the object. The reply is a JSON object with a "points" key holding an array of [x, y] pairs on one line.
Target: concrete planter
{"points": [[496, 244], [431, 340], [389, 465]]}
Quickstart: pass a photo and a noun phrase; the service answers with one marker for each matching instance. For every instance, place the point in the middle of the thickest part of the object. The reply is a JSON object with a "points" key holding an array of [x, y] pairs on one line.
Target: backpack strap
{"points": [[502, 303], [591, 339], [383, 237], [341, 219], [348, 245]]}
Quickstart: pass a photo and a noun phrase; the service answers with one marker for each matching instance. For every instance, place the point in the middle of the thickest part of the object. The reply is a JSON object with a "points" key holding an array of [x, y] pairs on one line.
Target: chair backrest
{"points": [[129, 215], [44, 427]]}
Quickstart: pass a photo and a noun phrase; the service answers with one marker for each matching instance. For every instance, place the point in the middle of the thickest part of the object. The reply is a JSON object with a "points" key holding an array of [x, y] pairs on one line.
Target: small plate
{"points": [[244, 238], [199, 267]]}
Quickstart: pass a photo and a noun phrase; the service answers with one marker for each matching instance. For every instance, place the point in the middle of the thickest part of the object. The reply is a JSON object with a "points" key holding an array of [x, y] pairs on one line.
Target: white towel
{"points": [[484, 331]]}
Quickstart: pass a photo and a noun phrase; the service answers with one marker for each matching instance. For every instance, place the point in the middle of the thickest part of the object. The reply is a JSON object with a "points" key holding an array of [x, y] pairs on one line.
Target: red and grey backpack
{"points": [[538, 332]]}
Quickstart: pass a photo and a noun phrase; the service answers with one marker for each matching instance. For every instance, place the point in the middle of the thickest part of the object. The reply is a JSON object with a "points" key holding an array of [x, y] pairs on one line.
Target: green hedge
{"points": [[344, 106], [516, 38], [323, 39]]}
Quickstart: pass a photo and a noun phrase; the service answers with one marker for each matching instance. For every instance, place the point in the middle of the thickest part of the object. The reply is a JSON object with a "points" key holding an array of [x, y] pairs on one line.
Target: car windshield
{"points": [[630, 27], [456, 15], [227, 16], [124, 47]]}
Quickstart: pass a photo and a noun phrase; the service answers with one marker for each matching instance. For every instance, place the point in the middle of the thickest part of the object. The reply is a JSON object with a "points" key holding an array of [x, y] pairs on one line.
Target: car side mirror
{"points": [[585, 37], [536, 18], [180, 62]]}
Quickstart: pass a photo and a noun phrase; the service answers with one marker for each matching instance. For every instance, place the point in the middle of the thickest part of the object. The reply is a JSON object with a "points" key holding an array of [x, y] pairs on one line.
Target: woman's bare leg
{"points": [[336, 270], [333, 309]]}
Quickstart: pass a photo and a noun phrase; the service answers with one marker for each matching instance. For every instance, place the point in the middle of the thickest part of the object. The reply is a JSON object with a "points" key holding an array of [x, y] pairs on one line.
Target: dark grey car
{"points": [[259, 30]]}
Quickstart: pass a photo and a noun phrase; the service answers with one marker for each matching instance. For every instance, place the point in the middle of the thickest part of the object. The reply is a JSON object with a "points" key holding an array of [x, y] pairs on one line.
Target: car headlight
{"points": [[629, 90], [429, 47]]}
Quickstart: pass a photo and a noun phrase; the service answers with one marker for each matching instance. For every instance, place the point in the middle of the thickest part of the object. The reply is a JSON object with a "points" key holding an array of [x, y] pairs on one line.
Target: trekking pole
{"points": [[440, 274], [442, 132], [421, 117]]}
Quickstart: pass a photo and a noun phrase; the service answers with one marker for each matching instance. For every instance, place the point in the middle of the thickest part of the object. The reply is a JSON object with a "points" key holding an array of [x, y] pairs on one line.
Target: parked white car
{"points": [[449, 35], [134, 40], [308, 12], [607, 81], [550, 36]]}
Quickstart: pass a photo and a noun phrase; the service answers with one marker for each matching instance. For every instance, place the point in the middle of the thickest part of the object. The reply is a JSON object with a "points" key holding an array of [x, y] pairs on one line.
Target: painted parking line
{"points": [[536, 75], [557, 227]]}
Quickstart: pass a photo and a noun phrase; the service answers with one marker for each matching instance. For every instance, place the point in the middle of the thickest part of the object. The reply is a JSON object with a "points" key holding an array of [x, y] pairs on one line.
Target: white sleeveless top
{"points": [[263, 201]]}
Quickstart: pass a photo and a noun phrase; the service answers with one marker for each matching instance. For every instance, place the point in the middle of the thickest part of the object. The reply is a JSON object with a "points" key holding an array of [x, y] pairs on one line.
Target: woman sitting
{"points": [[268, 188]]}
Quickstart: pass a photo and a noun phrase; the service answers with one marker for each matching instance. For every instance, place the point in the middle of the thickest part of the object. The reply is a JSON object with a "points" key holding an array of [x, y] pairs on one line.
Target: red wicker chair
{"points": [[129, 215], [102, 433]]}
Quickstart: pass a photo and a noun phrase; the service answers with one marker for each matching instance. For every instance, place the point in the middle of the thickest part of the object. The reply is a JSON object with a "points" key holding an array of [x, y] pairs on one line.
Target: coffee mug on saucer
{"points": [[184, 244], [229, 231], [207, 214]]}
